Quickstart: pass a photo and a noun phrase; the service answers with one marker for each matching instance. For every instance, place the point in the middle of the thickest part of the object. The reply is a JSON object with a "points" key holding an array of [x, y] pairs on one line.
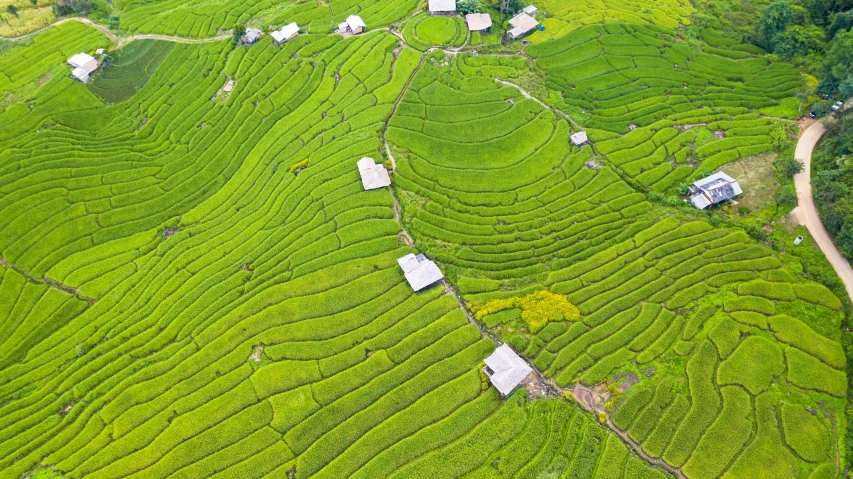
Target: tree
{"points": [[67, 7], [774, 20], [468, 6], [34, 2], [790, 166], [838, 63], [798, 40], [238, 33], [12, 10]]}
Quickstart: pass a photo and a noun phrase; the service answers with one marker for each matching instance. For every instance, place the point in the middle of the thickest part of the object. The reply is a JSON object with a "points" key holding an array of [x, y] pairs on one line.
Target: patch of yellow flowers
{"points": [[537, 309]]}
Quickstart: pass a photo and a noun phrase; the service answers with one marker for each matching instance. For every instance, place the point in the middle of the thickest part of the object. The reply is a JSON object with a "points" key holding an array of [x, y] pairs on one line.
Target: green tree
{"points": [[238, 33], [774, 20], [34, 2], [838, 63], [12, 10], [798, 40], [468, 6], [789, 166]]}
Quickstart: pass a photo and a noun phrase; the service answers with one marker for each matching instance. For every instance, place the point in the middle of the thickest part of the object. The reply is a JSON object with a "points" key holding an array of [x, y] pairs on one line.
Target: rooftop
{"points": [[442, 5], [521, 23], [419, 271], [506, 370], [354, 21], [373, 176], [579, 138], [478, 21], [714, 189], [81, 59]]}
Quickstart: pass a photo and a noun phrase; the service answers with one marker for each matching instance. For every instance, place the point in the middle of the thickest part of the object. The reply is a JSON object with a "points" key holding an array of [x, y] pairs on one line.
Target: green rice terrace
{"points": [[195, 280]]}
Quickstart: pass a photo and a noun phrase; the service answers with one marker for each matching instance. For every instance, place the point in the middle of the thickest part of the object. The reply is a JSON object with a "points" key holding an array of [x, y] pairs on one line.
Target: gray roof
{"points": [[530, 10], [419, 271], [715, 189], [506, 370], [442, 5], [81, 59], [372, 175], [252, 35]]}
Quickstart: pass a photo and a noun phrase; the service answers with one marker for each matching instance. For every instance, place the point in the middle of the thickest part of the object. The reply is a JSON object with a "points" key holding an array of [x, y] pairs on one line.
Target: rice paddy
{"points": [[194, 283]]}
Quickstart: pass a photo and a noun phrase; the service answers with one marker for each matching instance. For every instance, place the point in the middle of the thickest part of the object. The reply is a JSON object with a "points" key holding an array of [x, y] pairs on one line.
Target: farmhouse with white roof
{"points": [[286, 33], [373, 176], [714, 189], [505, 369], [521, 24], [442, 7], [478, 22], [353, 24], [419, 271], [530, 10], [579, 138], [84, 65]]}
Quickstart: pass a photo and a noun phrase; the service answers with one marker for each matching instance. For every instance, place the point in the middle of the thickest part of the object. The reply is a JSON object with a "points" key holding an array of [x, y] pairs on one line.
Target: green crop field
{"points": [[194, 283]]}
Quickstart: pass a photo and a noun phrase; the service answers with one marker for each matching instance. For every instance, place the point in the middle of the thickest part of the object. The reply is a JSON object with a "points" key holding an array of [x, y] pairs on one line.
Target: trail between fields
{"points": [[48, 281], [806, 212], [120, 40]]}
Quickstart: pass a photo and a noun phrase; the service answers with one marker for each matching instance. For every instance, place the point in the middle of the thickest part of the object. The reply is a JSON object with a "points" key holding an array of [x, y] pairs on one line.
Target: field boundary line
{"points": [[48, 281]]}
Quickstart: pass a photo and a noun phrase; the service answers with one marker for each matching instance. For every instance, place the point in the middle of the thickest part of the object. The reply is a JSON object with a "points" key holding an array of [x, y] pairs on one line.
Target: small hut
{"points": [[478, 22], [579, 138], [442, 7], [286, 33], [354, 24], [506, 370], [419, 271], [84, 65], [373, 176], [530, 10], [714, 189], [252, 35], [521, 24]]}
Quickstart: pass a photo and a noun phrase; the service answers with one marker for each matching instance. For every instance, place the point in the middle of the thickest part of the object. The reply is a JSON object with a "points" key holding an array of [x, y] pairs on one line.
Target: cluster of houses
{"points": [[353, 25], [521, 24]]}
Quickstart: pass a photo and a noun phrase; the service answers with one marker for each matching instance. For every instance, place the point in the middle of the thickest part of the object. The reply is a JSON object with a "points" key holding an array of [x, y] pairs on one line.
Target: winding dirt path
{"points": [[806, 213], [120, 40]]}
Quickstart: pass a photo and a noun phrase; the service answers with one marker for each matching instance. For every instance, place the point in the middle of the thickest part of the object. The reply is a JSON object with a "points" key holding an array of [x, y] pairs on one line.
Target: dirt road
{"points": [[807, 214]]}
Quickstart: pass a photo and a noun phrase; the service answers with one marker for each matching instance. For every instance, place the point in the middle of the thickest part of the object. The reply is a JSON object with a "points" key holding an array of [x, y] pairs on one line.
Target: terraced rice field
{"points": [[195, 284]]}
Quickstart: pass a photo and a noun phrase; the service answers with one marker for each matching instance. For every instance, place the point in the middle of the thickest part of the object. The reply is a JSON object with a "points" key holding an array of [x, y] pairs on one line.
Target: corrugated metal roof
{"points": [[506, 369], [419, 271], [579, 138], [372, 175]]}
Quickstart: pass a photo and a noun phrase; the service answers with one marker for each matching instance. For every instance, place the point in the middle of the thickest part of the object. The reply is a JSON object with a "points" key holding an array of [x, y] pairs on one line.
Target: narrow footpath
{"points": [[806, 213]]}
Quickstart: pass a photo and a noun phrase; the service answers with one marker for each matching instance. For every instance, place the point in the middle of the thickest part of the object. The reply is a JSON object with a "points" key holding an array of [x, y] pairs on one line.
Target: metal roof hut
{"points": [[505, 369], [579, 138], [373, 176], [478, 22], [252, 35], [419, 271], [713, 190], [286, 33], [442, 7], [521, 24], [530, 10], [84, 65], [355, 24]]}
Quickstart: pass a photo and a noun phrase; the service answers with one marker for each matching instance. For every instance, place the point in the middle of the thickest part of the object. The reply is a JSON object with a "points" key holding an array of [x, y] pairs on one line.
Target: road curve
{"points": [[806, 212]]}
